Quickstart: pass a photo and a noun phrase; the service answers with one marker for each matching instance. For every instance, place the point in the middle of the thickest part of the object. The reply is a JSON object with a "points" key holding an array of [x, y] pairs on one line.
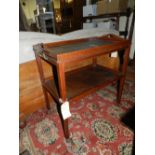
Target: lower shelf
{"points": [[83, 81]]}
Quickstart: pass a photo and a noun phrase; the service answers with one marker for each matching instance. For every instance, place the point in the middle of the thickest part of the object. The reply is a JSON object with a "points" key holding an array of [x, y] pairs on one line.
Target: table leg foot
{"points": [[66, 130], [120, 89]]}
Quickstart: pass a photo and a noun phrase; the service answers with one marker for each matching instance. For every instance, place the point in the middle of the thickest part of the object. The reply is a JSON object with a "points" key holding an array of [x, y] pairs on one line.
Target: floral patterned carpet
{"points": [[95, 127]]}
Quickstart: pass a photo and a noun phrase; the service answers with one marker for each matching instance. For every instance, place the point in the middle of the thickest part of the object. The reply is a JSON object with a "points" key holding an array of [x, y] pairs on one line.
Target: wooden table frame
{"points": [[59, 61]]}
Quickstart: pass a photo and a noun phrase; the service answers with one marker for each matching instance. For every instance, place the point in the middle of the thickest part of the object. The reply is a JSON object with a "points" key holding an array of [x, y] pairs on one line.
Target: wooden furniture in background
{"points": [[70, 86], [115, 15], [71, 16]]}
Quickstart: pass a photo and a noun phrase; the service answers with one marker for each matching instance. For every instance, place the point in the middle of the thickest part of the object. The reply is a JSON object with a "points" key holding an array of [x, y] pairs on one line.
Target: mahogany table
{"points": [[75, 84]]}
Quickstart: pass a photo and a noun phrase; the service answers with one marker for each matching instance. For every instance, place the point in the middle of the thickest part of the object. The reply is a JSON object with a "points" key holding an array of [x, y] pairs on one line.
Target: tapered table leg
{"points": [[123, 69], [42, 78], [62, 91]]}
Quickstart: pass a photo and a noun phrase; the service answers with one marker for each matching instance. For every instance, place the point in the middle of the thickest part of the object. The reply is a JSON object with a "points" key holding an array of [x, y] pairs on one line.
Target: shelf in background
{"points": [[107, 15]]}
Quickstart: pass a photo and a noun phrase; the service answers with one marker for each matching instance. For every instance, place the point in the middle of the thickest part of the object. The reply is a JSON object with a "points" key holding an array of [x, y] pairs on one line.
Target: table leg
{"points": [[62, 91], [42, 78], [123, 69]]}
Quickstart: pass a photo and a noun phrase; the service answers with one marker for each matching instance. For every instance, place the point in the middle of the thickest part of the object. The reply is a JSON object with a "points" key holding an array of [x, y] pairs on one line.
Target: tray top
{"points": [[79, 49], [76, 46]]}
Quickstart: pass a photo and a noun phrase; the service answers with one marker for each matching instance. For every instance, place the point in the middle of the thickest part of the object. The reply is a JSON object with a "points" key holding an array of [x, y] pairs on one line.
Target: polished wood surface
{"points": [[83, 80], [60, 54], [31, 96], [30, 81], [83, 54]]}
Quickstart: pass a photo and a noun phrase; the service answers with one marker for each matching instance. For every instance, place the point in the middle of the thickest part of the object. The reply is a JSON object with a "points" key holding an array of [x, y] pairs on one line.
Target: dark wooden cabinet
{"points": [[71, 15]]}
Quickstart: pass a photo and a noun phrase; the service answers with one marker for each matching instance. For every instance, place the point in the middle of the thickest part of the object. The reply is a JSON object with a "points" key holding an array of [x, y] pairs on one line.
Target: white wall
{"points": [[56, 4], [30, 6]]}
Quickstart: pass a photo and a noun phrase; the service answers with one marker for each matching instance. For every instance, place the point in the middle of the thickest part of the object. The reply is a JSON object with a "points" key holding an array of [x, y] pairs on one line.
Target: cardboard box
{"points": [[111, 6], [123, 5], [111, 25], [102, 7], [117, 5]]}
